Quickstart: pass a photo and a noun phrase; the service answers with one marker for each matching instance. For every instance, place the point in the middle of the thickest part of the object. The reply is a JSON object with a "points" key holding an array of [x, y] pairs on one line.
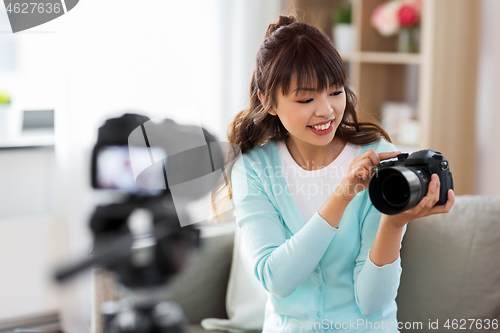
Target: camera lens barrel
{"points": [[396, 189]]}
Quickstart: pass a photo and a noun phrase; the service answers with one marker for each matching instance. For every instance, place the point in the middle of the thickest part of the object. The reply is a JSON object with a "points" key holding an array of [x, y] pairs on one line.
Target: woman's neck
{"points": [[310, 157]]}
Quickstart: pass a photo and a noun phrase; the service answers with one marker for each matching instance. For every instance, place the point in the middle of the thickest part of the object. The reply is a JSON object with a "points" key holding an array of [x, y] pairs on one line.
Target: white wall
{"points": [[243, 28], [488, 102]]}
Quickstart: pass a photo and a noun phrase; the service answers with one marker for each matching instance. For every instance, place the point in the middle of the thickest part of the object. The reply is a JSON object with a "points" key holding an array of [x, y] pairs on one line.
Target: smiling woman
{"points": [[302, 107]]}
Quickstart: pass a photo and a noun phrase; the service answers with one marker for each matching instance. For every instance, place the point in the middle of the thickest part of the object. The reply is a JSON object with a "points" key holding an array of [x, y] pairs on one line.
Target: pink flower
{"points": [[390, 16], [408, 15], [385, 18]]}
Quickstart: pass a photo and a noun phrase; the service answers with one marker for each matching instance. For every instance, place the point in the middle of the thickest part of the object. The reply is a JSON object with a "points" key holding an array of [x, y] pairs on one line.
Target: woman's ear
{"points": [[272, 111]]}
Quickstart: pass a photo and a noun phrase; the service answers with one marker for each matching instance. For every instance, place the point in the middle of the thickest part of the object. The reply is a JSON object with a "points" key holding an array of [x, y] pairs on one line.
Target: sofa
{"points": [[450, 273]]}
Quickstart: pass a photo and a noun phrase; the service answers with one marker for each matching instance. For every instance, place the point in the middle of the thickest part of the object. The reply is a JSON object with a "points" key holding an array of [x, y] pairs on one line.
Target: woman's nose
{"points": [[324, 108]]}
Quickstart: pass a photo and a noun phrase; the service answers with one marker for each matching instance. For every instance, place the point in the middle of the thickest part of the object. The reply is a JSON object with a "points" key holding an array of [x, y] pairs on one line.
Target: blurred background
{"points": [[430, 77]]}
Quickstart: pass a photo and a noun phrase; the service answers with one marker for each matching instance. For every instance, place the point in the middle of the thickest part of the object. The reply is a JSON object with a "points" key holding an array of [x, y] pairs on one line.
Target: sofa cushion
{"points": [[200, 289], [451, 267]]}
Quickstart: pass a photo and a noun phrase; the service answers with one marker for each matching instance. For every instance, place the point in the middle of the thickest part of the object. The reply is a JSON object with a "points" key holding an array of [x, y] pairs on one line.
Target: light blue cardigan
{"points": [[317, 278]]}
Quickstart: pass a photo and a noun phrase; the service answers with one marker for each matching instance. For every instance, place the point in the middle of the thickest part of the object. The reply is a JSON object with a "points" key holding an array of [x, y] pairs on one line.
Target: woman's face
{"points": [[300, 110]]}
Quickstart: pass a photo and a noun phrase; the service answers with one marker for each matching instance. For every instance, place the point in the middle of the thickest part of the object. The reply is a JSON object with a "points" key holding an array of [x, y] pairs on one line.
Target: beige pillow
{"points": [[246, 297], [451, 265]]}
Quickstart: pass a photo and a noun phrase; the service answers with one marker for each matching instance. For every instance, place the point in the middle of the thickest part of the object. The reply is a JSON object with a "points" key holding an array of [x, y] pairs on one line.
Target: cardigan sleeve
{"points": [[374, 286], [280, 264]]}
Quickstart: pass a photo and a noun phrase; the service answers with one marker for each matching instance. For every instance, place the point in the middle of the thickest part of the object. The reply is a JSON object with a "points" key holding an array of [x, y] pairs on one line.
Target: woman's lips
{"points": [[323, 123], [322, 132]]}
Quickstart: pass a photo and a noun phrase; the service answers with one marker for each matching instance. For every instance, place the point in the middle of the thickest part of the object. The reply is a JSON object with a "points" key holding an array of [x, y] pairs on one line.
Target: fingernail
{"points": [[452, 193]]}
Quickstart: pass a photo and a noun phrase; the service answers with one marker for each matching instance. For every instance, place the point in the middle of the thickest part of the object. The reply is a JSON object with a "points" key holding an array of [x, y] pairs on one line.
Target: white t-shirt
{"points": [[311, 189]]}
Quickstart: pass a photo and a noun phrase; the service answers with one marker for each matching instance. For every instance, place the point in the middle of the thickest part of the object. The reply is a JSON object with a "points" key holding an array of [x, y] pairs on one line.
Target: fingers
{"points": [[433, 191], [419, 207], [363, 172], [437, 189], [368, 160], [385, 156], [427, 206], [429, 200], [373, 157], [363, 165], [442, 209], [376, 158]]}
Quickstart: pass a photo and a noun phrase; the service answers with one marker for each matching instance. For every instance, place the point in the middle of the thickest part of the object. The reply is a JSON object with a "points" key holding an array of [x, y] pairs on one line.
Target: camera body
{"points": [[401, 184]]}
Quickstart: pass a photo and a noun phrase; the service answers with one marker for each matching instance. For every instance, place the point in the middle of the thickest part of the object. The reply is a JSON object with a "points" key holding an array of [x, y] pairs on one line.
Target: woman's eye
{"points": [[336, 93]]}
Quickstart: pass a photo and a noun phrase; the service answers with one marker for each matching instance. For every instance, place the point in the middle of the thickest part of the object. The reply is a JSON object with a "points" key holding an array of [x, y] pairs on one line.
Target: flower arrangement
{"points": [[399, 17], [389, 17]]}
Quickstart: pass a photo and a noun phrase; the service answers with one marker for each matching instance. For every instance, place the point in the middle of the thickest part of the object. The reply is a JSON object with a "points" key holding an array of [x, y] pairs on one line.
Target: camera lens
{"points": [[395, 190]]}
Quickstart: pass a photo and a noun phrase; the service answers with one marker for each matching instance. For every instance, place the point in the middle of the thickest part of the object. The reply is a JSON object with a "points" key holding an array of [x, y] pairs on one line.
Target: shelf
{"points": [[38, 140], [383, 58]]}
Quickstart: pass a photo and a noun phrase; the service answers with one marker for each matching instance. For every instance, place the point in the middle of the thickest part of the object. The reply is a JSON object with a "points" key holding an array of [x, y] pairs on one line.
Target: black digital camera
{"points": [[400, 185]]}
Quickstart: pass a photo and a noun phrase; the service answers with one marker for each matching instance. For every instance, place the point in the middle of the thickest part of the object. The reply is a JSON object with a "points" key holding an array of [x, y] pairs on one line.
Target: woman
{"points": [[325, 256]]}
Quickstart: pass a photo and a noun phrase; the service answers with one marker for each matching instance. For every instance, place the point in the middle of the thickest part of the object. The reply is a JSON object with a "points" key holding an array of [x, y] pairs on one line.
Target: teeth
{"points": [[323, 127]]}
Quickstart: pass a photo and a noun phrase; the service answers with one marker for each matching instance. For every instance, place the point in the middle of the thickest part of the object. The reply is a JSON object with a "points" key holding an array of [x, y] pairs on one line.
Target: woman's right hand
{"points": [[359, 173]]}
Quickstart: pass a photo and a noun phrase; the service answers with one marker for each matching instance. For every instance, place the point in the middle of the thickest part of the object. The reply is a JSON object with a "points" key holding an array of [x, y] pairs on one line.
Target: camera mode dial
{"points": [[438, 156], [444, 165]]}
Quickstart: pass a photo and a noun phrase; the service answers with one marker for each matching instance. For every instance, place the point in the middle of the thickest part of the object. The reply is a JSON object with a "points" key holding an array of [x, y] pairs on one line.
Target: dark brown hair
{"points": [[291, 49]]}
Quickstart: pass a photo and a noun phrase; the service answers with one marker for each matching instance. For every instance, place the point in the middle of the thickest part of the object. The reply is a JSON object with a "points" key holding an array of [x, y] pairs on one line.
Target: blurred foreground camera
{"points": [[144, 239], [400, 185]]}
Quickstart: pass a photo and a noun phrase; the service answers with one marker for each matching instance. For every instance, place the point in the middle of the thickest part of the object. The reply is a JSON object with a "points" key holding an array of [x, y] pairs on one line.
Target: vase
{"points": [[343, 38], [409, 40]]}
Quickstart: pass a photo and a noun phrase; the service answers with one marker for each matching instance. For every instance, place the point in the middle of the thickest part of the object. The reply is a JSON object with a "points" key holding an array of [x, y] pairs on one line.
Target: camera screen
{"points": [[114, 169]]}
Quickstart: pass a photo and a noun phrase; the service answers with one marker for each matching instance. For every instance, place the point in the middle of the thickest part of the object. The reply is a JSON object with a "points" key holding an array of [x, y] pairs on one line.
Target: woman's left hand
{"points": [[425, 207]]}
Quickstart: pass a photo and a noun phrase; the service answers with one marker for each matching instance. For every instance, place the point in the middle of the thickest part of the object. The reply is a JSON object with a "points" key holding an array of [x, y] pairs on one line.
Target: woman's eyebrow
{"points": [[312, 89]]}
